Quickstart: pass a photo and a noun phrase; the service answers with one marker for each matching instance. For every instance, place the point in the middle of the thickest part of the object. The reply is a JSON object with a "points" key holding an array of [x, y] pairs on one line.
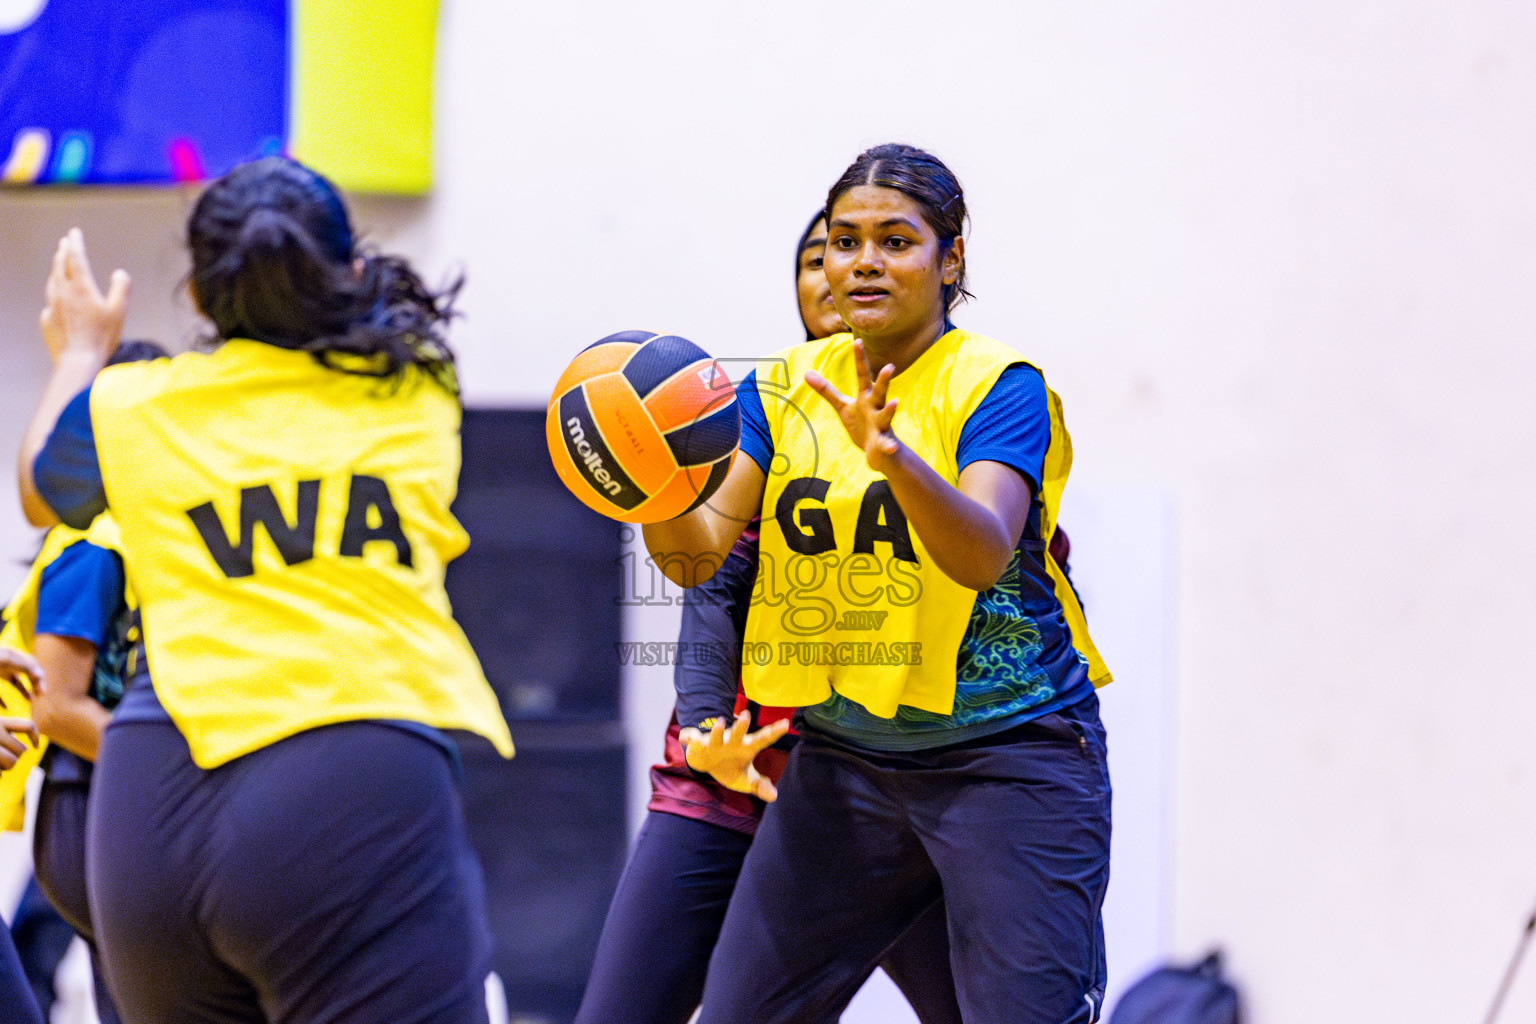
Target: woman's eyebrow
{"points": [[892, 222]]}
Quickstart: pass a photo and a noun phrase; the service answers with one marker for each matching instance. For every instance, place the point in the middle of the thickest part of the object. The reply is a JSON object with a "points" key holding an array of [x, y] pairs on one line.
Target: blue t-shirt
{"points": [[1012, 425], [1016, 659], [81, 595]]}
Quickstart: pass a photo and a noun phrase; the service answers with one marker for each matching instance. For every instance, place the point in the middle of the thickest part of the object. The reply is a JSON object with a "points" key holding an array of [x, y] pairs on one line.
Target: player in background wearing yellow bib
{"points": [[73, 614], [15, 993], [275, 812], [908, 476]]}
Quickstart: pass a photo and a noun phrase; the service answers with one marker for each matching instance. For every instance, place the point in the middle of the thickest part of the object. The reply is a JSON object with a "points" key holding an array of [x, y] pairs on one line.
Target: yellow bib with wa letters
{"points": [[286, 527], [847, 596], [20, 633]]}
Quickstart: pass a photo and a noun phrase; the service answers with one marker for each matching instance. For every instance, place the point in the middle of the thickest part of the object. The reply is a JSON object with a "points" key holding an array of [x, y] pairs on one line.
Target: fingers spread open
{"points": [[766, 791], [117, 292], [824, 388], [767, 735], [861, 366], [10, 743], [78, 263], [13, 661], [881, 385], [57, 274]]}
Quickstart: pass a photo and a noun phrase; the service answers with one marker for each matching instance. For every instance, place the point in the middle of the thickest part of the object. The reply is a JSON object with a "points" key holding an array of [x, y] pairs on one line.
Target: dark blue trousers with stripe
{"points": [[1013, 830]]}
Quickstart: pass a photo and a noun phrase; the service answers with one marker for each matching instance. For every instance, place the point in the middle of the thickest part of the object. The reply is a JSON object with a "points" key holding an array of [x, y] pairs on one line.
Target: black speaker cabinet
{"points": [[550, 829], [537, 592]]}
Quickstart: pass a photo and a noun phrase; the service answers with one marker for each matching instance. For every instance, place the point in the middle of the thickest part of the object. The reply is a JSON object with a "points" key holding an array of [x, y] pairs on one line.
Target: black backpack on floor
{"points": [[1181, 995]]}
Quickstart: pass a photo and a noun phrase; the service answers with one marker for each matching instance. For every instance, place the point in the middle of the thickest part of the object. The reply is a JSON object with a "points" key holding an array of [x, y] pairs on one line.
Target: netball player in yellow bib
{"points": [[662, 925], [15, 992], [908, 475], [276, 832]]}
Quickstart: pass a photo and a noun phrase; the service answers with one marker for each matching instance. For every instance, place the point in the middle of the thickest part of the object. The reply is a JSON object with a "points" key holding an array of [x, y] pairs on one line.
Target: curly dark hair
{"points": [[274, 260]]}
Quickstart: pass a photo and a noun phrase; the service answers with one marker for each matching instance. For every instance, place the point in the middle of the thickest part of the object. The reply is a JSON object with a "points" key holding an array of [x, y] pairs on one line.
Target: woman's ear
{"points": [[954, 261], [357, 267]]}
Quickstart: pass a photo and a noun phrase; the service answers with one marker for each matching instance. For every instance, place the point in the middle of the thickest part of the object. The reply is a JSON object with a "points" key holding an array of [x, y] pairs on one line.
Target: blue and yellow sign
{"points": [[161, 91]]}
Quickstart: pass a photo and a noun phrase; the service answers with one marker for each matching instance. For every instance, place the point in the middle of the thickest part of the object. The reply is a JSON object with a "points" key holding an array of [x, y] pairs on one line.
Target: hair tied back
{"points": [[267, 228], [274, 260]]}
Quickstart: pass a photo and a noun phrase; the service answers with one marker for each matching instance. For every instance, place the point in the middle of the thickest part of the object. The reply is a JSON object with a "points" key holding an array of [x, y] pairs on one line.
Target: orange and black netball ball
{"points": [[642, 427]]}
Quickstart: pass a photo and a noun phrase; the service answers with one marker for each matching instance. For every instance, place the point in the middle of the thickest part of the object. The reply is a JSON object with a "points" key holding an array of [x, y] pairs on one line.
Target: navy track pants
{"points": [[1013, 829], [58, 856], [666, 916], [325, 879]]}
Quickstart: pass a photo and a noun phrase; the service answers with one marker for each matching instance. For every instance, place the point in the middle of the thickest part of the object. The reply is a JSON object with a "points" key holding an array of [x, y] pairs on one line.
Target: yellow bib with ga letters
{"points": [[20, 633], [847, 597], [286, 529]]}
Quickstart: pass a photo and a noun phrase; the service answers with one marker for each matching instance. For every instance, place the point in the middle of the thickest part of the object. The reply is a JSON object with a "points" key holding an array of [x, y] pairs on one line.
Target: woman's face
{"points": [[816, 308], [884, 264]]}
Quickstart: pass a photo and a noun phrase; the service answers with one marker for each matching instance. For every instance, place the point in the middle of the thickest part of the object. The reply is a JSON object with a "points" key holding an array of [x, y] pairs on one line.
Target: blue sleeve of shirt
{"points": [[1012, 425], [756, 440], [81, 594], [66, 472]]}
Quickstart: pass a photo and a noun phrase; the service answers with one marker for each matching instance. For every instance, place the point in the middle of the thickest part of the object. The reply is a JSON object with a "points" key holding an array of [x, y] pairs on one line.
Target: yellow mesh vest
{"points": [[847, 598], [19, 632], [286, 529]]}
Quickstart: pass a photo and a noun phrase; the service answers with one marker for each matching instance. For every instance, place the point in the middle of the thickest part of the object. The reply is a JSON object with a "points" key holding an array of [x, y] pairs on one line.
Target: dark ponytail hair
{"points": [[274, 260], [922, 178]]}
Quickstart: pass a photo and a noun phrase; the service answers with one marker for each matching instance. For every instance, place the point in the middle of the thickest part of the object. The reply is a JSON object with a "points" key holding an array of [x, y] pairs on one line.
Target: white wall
{"points": [[1275, 256]]}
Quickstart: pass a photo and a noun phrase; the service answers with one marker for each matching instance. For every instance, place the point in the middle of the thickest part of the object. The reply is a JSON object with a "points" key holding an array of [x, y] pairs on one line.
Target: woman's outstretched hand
{"points": [[17, 668], [12, 748], [78, 318], [727, 754], [20, 670], [867, 415]]}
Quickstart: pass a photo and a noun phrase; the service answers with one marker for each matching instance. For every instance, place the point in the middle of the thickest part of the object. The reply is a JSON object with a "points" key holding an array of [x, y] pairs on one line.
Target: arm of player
{"points": [[64, 710], [81, 327], [970, 530], [708, 662], [690, 548], [727, 754]]}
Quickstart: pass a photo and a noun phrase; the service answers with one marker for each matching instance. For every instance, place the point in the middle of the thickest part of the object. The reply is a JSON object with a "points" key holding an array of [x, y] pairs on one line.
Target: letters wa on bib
{"points": [[286, 528]]}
